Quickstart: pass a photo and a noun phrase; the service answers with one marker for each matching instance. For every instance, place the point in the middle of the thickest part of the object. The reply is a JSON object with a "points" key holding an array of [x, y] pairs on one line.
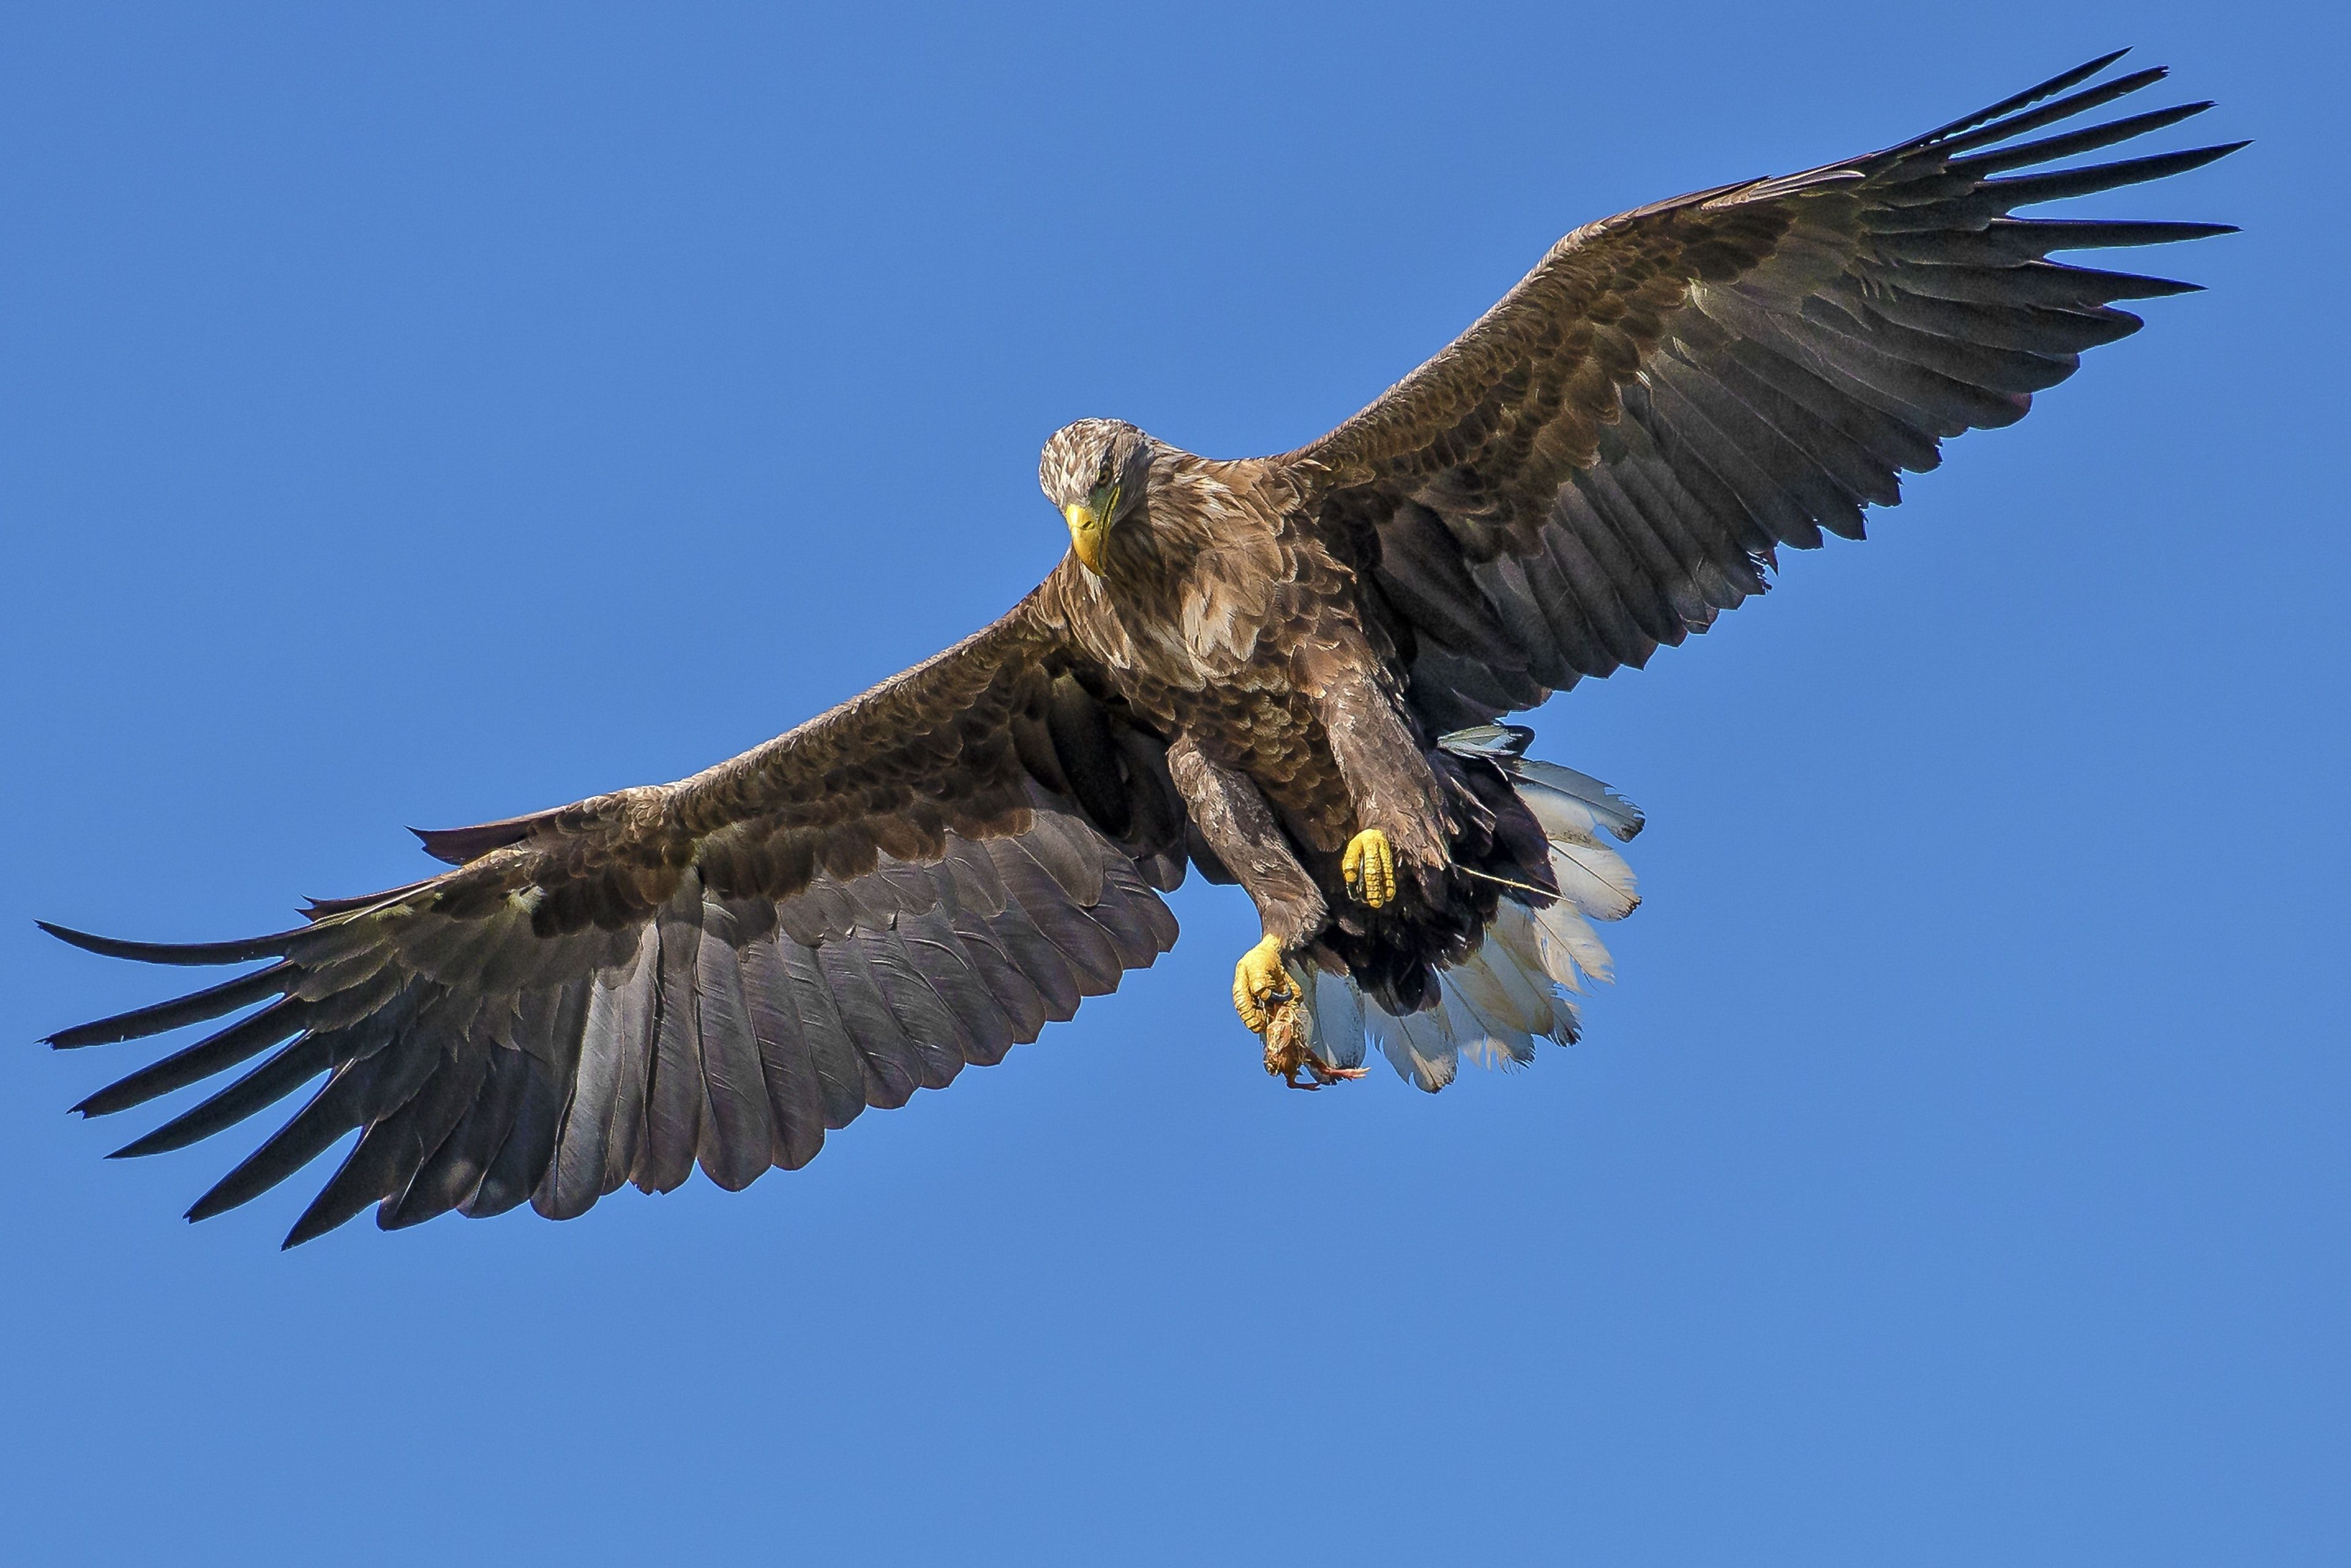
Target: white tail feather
{"points": [[1533, 999], [1517, 960], [1570, 945], [1494, 1005], [1419, 1046], [1541, 784], [1564, 816], [1514, 925], [1338, 1037], [1479, 981], [1485, 1018], [1595, 879]]}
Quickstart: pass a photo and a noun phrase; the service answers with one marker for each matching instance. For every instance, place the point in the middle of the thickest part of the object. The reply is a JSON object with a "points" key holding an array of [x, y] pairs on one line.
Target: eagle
{"points": [[1289, 672]]}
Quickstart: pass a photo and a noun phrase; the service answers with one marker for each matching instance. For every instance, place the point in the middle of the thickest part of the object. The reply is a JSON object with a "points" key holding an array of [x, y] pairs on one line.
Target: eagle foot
{"points": [[1370, 869], [1261, 987]]}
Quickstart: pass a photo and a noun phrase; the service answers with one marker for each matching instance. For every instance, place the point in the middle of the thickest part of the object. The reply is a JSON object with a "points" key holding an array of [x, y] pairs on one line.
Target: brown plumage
{"points": [[1273, 669]]}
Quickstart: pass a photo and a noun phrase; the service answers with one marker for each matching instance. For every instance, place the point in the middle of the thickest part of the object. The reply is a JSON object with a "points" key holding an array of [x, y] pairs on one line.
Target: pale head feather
{"points": [[1084, 457]]}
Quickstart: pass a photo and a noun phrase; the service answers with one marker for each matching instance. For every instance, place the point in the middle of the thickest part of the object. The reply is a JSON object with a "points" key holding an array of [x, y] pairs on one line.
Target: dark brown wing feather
{"points": [[1614, 454], [715, 972]]}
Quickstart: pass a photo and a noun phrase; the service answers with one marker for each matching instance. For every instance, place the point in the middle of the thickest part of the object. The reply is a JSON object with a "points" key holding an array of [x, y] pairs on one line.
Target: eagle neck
{"points": [[1191, 576]]}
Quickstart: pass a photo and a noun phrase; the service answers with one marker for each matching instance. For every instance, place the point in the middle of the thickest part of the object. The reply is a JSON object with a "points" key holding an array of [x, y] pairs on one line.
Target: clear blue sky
{"points": [[424, 413]]}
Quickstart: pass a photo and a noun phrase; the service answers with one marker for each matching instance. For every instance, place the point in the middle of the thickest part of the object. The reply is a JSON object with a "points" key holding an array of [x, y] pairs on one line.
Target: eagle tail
{"points": [[1514, 989]]}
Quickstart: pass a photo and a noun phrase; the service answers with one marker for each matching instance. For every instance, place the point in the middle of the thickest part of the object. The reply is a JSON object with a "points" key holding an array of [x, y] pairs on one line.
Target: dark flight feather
{"points": [[738, 1131], [795, 1098], [443, 1176], [196, 1008], [515, 1171], [240, 1041], [463, 1159]]}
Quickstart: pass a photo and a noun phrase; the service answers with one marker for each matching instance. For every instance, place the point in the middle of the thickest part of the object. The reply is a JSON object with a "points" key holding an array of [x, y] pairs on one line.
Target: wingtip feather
{"points": [[313, 1225], [162, 1141], [212, 1204], [197, 953], [2034, 94]]}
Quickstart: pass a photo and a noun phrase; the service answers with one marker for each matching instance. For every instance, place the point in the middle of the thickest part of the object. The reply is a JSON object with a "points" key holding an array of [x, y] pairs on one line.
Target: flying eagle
{"points": [[1284, 672]]}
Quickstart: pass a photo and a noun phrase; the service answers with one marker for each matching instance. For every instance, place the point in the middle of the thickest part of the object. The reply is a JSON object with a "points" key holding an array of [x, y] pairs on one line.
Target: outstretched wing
{"points": [[716, 971], [1613, 453]]}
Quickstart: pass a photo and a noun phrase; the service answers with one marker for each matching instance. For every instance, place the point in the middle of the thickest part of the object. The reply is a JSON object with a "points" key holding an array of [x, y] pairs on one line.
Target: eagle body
{"points": [[1222, 619], [1288, 672]]}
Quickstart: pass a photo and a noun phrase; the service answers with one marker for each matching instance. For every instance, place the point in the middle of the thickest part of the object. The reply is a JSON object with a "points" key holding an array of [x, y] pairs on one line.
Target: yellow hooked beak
{"points": [[1089, 523]]}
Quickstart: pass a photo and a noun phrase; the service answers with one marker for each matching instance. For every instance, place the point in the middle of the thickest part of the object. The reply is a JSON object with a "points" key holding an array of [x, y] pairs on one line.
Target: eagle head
{"points": [[1095, 472]]}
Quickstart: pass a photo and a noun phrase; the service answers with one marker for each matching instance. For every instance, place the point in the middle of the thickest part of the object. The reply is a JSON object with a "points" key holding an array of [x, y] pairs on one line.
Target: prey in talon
{"points": [[1268, 999]]}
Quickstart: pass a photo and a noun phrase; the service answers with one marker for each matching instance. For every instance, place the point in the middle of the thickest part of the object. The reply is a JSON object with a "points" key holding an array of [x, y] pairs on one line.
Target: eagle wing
{"points": [[1613, 453], [716, 971]]}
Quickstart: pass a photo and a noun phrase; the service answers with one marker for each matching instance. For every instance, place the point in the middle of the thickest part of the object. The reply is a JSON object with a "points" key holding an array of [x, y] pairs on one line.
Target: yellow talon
{"points": [[1259, 984], [1370, 868]]}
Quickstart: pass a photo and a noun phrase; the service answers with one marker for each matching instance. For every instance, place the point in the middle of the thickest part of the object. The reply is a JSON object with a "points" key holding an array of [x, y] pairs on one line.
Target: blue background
{"points": [[429, 414]]}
